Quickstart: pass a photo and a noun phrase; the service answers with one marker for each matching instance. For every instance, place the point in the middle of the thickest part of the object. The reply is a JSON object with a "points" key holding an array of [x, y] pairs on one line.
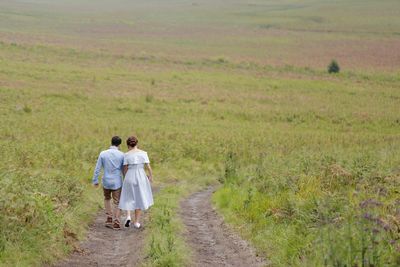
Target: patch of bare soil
{"points": [[213, 243]]}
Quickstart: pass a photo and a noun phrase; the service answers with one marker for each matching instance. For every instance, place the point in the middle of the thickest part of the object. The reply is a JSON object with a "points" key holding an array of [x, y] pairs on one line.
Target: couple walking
{"points": [[134, 193]]}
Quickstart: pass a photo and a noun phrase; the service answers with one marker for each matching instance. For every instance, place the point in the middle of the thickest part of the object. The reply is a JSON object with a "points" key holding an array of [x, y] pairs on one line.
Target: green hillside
{"points": [[229, 93]]}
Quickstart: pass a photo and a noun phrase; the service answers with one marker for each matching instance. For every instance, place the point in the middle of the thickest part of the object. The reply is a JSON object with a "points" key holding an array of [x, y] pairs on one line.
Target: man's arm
{"points": [[97, 171]]}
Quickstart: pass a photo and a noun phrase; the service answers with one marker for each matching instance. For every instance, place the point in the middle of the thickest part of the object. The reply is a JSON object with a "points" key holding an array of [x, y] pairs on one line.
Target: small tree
{"points": [[333, 67]]}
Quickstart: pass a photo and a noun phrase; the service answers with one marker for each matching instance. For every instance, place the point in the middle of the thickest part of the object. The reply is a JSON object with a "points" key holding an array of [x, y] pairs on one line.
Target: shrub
{"points": [[333, 67], [149, 98], [27, 109], [231, 166]]}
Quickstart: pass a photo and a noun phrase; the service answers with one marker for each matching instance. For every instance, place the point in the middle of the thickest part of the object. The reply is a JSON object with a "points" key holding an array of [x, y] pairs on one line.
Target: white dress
{"points": [[136, 190]]}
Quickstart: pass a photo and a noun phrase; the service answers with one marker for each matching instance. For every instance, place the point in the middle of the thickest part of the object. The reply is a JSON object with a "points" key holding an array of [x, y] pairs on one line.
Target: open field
{"points": [[224, 92], [359, 34]]}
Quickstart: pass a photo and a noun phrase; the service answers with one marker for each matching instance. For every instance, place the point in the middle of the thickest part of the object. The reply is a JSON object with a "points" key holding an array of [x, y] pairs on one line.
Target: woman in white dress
{"points": [[136, 190]]}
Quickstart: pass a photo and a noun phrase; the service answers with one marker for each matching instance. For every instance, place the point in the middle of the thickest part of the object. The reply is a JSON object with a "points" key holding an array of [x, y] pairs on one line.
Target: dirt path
{"points": [[107, 247], [212, 242]]}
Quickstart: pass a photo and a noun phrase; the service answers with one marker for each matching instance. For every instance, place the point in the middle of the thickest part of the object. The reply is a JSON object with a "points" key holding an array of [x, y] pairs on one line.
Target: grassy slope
{"points": [[288, 129], [359, 34]]}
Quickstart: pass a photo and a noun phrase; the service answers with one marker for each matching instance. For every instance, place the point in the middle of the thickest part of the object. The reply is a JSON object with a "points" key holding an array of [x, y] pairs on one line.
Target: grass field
{"points": [[227, 92], [362, 35]]}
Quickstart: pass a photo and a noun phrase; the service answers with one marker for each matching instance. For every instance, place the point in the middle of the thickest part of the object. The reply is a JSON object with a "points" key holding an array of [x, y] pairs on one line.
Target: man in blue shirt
{"points": [[111, 160]]}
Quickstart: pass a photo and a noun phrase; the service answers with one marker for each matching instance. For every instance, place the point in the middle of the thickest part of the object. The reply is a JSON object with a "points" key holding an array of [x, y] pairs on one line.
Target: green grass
{"points": [[309, 161], [165, 246], [359, 34]]}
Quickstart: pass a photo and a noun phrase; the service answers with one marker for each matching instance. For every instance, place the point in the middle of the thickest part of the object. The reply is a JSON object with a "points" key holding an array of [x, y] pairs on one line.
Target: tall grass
{"points": [[321, 206]]}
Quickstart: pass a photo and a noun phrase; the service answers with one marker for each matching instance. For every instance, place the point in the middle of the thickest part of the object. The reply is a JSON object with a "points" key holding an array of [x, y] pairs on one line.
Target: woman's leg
{"points": [[128, 218], [137, 215]]}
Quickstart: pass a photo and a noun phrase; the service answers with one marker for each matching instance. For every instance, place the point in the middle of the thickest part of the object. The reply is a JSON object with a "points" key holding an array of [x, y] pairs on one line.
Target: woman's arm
{"points": [[125, 170], [150, 171]]}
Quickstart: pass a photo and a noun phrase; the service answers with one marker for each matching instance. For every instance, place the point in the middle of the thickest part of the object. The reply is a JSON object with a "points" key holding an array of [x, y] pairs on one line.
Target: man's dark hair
{"points": [[116, 141]]}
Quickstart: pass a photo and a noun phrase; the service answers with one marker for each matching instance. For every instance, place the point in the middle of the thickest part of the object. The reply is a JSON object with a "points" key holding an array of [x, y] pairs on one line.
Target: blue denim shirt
{"points": [[111, 160]]}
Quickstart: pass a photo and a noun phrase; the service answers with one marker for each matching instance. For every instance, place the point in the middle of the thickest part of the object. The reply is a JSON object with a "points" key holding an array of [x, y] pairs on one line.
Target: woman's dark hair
{"points": [[132, 141], [116, 141]]}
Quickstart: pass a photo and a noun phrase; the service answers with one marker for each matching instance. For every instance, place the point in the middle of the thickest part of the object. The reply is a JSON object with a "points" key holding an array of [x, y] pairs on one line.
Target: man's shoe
{"points": [[109, 221], [116, 225]]}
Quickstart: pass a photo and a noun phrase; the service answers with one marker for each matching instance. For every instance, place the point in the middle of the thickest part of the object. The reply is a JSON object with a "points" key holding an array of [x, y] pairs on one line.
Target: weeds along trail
{"points": [[211, 241]]}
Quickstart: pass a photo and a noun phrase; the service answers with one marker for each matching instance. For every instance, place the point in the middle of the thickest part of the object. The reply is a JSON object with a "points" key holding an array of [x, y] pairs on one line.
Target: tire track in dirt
{"points": [[213, 243], [108, 247]]}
